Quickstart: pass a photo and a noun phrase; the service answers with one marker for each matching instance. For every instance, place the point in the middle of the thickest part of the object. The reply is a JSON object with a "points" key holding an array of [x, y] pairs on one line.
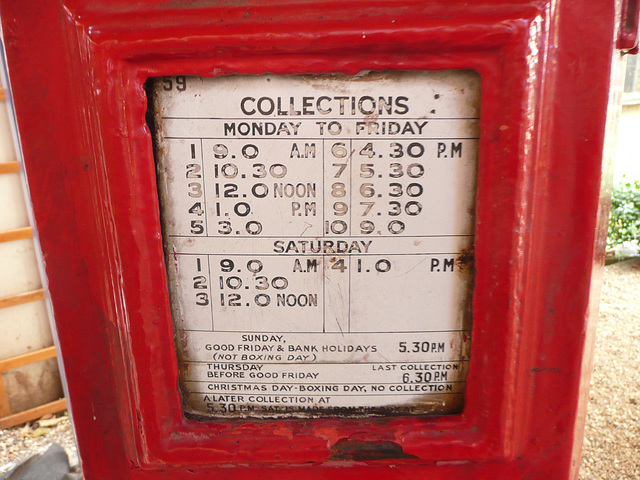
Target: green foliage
{"points": [[624, 222]]}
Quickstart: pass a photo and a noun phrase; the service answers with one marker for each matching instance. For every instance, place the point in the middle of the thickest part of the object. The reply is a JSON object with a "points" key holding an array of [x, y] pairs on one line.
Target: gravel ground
{"points": [[612, 437], [19, 443]]}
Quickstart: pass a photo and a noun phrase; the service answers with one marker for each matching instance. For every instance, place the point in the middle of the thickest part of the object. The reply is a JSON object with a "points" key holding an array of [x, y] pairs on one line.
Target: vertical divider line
{"points": [[322, 273], [210, 294], [349, 302], [324, 200], [324, 300], [204, 191], [350, 158]]}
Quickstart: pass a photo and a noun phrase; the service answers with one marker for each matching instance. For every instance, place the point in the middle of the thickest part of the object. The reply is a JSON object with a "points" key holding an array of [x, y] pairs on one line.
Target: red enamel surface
{"points": [[77, 71]]}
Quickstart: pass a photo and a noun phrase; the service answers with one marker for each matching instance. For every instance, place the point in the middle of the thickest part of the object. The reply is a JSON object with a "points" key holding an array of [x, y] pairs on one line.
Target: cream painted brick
{"points": [[18, 267], [23, 329], [13, 212]]}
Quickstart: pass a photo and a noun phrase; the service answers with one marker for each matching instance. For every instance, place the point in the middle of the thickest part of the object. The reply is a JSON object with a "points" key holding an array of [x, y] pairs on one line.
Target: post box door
{"points": [[319, 239]]}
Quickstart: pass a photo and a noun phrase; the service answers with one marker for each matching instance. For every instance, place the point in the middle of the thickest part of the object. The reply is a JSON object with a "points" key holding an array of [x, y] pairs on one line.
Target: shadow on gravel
{"points": [[52, 464]]}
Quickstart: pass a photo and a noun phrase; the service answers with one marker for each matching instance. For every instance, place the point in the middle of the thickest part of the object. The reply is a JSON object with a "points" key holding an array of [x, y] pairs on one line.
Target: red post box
{"points": [[320, 239]]}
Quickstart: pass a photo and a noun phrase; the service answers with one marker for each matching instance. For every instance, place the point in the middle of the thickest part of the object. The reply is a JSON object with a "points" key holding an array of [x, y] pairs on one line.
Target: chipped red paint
{"points": [[77, 71]]}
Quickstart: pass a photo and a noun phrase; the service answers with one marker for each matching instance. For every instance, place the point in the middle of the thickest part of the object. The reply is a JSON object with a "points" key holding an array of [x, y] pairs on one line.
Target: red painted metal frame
{"points": [[77, 73]]}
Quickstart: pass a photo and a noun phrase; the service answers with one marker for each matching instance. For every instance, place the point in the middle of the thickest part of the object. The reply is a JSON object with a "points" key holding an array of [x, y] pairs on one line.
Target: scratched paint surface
{"points": [[319, 240]]}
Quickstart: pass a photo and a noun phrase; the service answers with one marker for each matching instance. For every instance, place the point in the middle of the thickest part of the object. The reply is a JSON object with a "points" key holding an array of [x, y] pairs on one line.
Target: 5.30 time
{"points": [[421, 347]]}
